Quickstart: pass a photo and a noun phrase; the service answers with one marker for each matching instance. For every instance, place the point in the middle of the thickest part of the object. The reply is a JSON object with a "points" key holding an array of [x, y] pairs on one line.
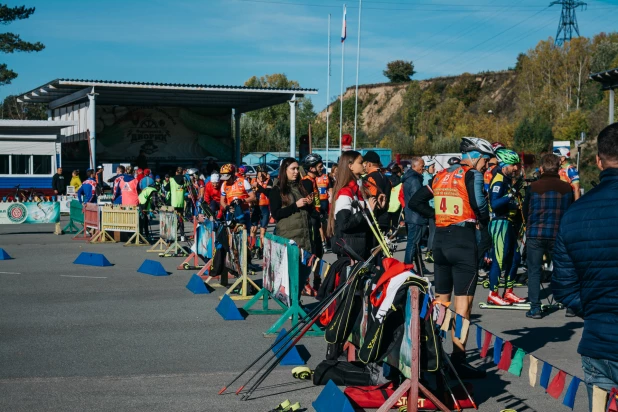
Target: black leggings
{"points": [[455, 254]]}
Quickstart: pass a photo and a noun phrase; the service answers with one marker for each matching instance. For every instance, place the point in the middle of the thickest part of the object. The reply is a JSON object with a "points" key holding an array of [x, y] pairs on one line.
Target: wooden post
{"points": [[413, 385]]}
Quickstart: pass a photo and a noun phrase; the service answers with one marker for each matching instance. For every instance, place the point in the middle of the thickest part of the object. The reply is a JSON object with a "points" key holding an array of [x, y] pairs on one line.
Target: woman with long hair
{"points": [[291, 205], [346, 222]]}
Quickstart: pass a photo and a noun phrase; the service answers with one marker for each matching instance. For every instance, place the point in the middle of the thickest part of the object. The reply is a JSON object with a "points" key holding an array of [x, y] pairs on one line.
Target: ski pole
{"points": [[332, 298], [373, 230], [287, 348], [450, 364], [289, 335], [455, 402]]}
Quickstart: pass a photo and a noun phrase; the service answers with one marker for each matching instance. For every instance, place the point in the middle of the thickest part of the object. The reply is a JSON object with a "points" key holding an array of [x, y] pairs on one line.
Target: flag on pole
{"points": [[343, 26]]}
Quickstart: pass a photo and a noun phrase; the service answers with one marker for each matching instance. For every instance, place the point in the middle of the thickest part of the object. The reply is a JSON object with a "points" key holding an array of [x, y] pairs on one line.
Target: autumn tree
{"points": [[268, 129], [11, 42], [399, 71]]}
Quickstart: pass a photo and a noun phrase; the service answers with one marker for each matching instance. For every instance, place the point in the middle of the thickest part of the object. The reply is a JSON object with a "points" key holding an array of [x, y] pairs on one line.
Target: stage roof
{"points": [[608, 79], [61, 92]]}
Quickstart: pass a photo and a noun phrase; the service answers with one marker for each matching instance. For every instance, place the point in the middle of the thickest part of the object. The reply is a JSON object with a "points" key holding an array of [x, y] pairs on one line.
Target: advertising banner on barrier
{"points": [[168, 222], [29, 213], [205, 242], [275, 276]]}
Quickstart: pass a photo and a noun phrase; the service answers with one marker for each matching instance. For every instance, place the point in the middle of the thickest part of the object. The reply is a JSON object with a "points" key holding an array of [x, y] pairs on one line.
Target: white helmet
{"points": [[562, 152], [214, 177], [429, 161], [192, 171], [476, 144]]}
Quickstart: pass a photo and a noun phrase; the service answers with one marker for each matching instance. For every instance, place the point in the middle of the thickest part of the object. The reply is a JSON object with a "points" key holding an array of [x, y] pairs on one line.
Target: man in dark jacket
{"points": [[585, 271], [546, 202], [412, 181], [59, 184]]}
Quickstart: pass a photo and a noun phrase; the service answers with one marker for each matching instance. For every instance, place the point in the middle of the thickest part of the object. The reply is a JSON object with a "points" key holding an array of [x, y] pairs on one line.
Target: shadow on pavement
{"points": [[536, 337], [493, 386]]}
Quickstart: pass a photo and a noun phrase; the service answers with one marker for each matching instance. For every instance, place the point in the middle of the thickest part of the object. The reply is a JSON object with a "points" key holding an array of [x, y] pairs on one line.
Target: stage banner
{"points": [[29, 213], [275, 275]]}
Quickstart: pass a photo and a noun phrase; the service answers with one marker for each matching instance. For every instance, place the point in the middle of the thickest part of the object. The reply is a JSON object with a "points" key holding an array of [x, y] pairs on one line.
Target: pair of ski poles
{"points": [[293, 336], [375, 228]]}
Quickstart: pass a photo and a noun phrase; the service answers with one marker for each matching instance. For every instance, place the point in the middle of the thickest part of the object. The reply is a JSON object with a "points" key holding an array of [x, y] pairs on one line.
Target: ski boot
{"points": [[511, 297], [302, 373], [286, 406], [495, 299]]}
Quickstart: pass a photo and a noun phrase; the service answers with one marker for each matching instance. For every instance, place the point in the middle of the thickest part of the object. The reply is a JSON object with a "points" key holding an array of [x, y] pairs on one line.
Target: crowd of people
{"points": [[479, 220]]}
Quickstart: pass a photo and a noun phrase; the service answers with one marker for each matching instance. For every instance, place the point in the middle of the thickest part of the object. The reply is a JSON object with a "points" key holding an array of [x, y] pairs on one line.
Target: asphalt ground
{"points": [[80, 338]]}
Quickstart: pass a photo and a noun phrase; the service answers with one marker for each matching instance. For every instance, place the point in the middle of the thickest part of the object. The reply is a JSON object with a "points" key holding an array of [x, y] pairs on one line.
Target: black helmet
{"points": [[312, 159], [453, 161]]}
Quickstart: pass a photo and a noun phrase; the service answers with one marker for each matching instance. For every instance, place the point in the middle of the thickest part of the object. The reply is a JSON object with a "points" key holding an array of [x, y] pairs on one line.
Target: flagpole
{"points": [[360, 7], [341, 89], [327, 92]]}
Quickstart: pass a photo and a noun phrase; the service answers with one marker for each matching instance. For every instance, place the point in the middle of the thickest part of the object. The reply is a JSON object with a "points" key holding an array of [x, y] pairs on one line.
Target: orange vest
{"points": [[488, 175], [316, 192], [129, 193], [451, 200], [322, 184], [235, 190], [263, 200]]}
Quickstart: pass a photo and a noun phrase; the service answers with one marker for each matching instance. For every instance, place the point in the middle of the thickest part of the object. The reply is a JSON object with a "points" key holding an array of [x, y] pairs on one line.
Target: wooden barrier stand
{"points": [[120, 219]]}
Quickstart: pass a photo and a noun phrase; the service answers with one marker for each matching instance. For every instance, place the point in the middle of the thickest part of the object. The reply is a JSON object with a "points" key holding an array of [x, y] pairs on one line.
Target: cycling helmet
{"points": [[507, 157], [497, 145], [192, 171], [241, 171], [476, 144], [228, 169], [312, 159], [429, 161], [454, 161], [214, 177], [562, 152]]}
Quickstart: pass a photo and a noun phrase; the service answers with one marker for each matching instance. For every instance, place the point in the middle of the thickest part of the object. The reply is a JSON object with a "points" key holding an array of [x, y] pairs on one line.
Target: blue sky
{"points": [[228, 41]]}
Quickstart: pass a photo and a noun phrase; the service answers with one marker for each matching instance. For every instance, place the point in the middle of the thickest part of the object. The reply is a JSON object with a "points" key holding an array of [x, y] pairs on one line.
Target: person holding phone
{"points": [[291, 206]]}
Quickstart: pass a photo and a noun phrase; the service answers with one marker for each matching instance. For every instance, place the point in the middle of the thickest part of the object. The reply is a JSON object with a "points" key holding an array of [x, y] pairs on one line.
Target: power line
{"points": [[464, 8], [495, 36]]}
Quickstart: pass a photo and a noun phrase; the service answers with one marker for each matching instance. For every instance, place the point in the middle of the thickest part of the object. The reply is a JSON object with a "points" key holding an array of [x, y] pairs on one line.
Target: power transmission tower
{"points": [[568, 20]]}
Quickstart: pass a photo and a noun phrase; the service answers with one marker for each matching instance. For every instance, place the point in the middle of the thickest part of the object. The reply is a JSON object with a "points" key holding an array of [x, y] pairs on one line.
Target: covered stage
{"points": [[169, 123]]}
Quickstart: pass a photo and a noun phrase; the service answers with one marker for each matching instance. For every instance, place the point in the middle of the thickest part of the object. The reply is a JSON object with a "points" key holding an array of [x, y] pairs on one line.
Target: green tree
{"points": [[533, 135], [466, 89], [10, 42], [399, 71], [10, 108]]}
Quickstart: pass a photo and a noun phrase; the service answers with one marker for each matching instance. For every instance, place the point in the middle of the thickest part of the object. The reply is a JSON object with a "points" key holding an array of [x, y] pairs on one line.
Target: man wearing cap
{"points": [[99, 178], [378, 186], [568, 173], [146, 181]]}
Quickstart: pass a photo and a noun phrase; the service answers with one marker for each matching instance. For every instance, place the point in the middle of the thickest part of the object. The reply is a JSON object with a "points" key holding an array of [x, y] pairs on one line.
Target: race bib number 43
{"points": [[449, 205]]}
